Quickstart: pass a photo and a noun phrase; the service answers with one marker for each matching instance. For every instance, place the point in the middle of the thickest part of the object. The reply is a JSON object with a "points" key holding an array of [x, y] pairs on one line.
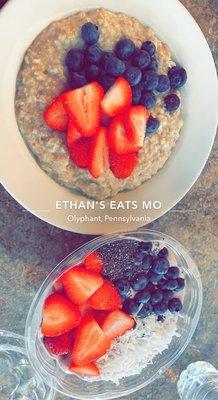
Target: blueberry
{"points": [[150, 80], [92, 72], [131, 306], [90, 33], [139, 282], [163, 83], [105, 56], [148, 99], [160, 265], [133, 75], [175, 305], [122, 286], [162, 283], [141, 59], [177, 77], [151, 287], [153, 66], [149, 47], [77, 79], [171, 284], [167, 294], [172, 273], [172, 102], [161, 318], [144, 311], [163, 252], [74, 60], [145, 247], [160, 308], [143, 296], [180, 284], [156, 296], [153, 124], [147, 262], [93, 54], [137, 262], [114, 66], [136, 94], [124, 48], [106, 81], [153, 277], [138, 256]]}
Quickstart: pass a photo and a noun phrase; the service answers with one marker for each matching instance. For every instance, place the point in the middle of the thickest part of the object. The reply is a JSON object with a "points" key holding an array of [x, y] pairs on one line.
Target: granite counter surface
{"points": [[29, 248]]}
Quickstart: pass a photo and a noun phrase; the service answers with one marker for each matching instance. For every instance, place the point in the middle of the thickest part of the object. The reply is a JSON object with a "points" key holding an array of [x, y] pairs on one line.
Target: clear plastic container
{"points": [[198, 382], [68, 384], [18, 380]]}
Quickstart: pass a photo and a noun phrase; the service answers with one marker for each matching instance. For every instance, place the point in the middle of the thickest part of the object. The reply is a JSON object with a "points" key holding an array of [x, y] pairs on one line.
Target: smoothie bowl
{"points": [[114, 315]]}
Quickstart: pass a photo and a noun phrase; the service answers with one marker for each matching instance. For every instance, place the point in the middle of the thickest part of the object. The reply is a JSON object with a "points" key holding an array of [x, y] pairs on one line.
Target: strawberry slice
{"points": [[56, 116], [79, 152], [87, 370], [72, 134], [117, 98], [106, 298], [59, 316], [100, 316], [136, 120], [98, 156], [94, 262], [84, 105], [122, 165], [80, 284], [117, 323], [58, 285], [59, 345], [85, 309], [118, 139], [90, 343]]}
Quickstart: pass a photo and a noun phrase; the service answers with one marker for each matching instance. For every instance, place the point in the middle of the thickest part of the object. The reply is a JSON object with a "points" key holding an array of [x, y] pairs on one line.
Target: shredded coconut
{"points": [[136, 349]]}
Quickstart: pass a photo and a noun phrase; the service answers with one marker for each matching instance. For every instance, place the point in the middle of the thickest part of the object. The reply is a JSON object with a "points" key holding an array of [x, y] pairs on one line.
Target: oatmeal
{"points": [[42, 77]]}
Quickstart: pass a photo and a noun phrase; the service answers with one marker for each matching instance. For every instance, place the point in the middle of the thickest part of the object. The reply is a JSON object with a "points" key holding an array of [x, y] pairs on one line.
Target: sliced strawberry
{"points": [[87, 370], [98, 156], [56, 116], [59, 315], [79, 152], [90, 343], [72, 134], [118, 139], [80, 284], [84, 105], [100, 316], [122, 165], [117, 323], [94, 262], [106, 298], [136, 120], [85, 309], [58, 285], [117, 98], [59, 345]]}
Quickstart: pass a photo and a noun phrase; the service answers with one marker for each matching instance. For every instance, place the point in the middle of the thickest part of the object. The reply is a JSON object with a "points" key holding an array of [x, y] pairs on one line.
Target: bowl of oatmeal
{"points": [[114, 315], [137, 167]]}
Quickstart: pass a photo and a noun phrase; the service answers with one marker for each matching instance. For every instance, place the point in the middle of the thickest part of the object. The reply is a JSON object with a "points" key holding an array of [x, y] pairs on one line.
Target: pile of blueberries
{"points": [[154, 289], [137, 65]]}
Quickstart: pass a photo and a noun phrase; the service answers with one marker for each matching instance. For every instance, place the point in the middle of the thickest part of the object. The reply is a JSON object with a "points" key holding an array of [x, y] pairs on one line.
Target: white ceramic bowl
{"points": [[20, 22]]}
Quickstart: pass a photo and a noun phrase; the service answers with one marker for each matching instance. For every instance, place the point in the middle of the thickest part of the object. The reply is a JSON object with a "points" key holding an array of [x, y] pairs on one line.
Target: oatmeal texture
{"points": [[42, 77]]}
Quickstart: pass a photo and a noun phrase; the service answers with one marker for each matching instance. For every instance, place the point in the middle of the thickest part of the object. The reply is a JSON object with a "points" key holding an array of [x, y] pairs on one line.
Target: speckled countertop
{"points": [[29, 248]]}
